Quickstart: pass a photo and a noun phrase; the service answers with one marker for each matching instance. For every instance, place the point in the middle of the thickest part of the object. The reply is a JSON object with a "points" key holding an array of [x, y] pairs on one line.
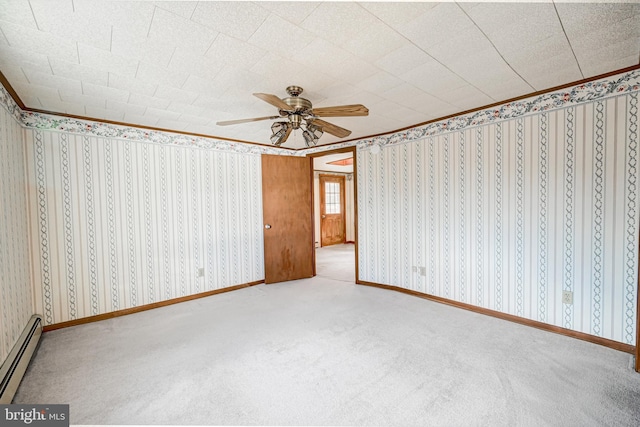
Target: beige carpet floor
{"points": [[336, 262], [325, 351]]}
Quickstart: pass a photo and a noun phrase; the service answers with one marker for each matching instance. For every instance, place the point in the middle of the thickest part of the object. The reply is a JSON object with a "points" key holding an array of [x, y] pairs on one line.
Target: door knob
{"points": [[324, 216], [267, 226]]}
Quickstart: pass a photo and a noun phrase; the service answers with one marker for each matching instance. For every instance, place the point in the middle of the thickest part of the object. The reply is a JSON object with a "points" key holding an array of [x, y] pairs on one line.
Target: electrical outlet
{"points": [[201, 272], [414, 269], [423, 271], [567, 297]]}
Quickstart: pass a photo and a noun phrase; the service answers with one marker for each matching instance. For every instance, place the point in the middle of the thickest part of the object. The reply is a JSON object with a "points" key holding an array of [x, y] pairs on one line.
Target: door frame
{"points": [[352, 149], [343, 198]]}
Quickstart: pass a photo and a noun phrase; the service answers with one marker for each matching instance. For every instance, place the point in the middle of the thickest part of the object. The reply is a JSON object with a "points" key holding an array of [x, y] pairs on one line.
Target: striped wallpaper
{"points": [[16, 305], [117, 224], [503, 208], [510, 214]]}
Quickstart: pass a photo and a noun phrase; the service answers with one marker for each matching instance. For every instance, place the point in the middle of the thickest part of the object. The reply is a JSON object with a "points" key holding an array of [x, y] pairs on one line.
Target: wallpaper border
{"points": [[615, 85], [52, 122]]}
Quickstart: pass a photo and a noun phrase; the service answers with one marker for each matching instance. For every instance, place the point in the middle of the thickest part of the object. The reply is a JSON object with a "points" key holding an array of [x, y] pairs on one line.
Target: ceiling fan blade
{"points": [[273, 100], [341, 111], [289, 129], [332, 129], [235, 122]]}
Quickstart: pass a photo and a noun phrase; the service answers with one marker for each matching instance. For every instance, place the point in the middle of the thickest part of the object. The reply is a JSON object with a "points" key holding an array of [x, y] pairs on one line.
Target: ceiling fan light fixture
{"points": [[309, 138], [312, 134], [280, 131], [315, 130]]}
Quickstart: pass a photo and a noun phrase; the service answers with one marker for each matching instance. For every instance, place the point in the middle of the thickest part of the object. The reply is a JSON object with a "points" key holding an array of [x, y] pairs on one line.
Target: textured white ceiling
{"points": [[186, 65]]}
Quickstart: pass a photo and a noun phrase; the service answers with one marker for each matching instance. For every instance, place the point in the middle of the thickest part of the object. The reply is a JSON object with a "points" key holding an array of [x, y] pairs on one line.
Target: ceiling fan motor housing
{"points": [[298, 104]]}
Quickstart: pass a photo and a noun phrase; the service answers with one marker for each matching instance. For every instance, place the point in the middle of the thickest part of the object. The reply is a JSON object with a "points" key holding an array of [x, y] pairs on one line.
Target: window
{"points": [[332, 197]]}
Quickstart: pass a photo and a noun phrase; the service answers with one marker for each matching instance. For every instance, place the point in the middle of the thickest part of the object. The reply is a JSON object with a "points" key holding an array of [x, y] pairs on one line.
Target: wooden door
{"points": [[288, 218], [332, 210]]}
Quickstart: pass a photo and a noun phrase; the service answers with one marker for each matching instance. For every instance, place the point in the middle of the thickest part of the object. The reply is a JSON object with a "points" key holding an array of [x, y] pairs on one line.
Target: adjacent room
{"points": [[321, 213]]}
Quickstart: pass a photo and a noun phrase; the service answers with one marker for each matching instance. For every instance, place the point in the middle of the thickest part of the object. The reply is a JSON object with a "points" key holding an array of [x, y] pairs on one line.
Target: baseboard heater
{"points": [[15, 366]]}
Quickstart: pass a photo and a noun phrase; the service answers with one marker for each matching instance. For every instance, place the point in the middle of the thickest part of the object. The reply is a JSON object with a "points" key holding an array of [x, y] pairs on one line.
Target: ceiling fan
{"points": [[300, 114]]}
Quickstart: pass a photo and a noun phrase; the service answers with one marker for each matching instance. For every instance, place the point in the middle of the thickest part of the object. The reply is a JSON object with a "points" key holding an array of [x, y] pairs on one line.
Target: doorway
{"points": [[334, 173]]}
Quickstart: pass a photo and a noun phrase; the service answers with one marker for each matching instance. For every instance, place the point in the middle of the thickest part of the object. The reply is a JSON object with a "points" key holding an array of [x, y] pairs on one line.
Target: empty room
{"points": [[319, 213]]}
